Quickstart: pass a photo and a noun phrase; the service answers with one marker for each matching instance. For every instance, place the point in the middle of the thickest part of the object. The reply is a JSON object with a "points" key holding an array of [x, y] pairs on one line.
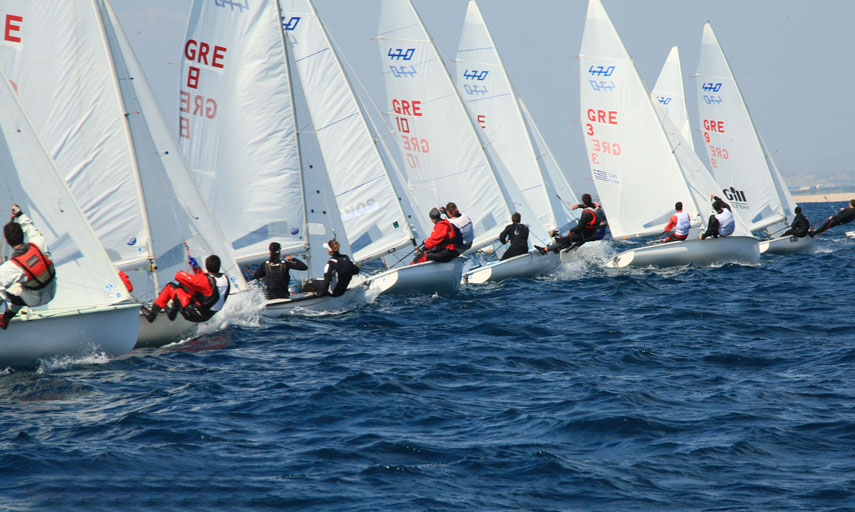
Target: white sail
{"points": [[636, 174], [30, 178], [237, 125], [736, 156], [699, 180], [442, 156], [670, 94], [373, 217], [491, 101], [63, 74], [181, 222], [175, 219]]}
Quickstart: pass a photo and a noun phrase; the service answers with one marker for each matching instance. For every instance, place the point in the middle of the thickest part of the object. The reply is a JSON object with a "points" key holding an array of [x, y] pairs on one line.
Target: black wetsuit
{"points": [[799, 227], [518, 235], [579, 234], [337, 274], [844, 217], [278, 276]]}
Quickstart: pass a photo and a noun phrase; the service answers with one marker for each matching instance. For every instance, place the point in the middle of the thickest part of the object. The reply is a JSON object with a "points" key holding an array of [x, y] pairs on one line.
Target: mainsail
{"points": [[737, 157], [237, 126], [373, 217], [239, 129], [132, 172], [492, 103], [442, 156], [670, 94], [85, 276], [635, 172]]}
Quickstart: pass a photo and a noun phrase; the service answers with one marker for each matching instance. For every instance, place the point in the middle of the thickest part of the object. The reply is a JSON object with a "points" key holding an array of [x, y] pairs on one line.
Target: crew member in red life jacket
{"points": [[584, 231], [28, 277], [197, 296], [442, 244], [680, 222]]}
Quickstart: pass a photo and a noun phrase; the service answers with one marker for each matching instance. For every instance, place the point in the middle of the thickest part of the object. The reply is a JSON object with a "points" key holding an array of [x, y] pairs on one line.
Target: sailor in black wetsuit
{"points": [[845, 216], [584, 231], [337, 274], [276, 270], [800, 226], [517, 233]]}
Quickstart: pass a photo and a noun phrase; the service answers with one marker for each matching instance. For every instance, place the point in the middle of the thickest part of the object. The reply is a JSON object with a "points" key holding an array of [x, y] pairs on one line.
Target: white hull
{"points": [[787, 245], [428, 277], [300, 302], [162, 331], [112, 330], [736, 249], [525, 265]]}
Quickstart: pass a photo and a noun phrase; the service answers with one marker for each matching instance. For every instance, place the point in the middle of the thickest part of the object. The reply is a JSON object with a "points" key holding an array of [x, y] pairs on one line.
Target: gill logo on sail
{"points": [[736, 197], [233, 4], [291, 24], [401, 54]]}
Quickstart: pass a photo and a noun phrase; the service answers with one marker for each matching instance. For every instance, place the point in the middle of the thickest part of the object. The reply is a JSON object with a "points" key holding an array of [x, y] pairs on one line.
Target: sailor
{"points": [[845, 216], [277, 272], [197, 296], [584, 231], [28, 278], [517, 234], [441, 246], [338, 273], [721, 223], [463, 223], [800, 226], [680, 222]]}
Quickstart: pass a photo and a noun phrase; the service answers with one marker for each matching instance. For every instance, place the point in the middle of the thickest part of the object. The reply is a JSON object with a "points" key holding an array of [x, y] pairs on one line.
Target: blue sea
{"points": [[724, 388]]}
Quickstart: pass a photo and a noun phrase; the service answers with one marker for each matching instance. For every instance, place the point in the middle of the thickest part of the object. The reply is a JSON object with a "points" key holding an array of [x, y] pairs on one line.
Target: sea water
{"points": [[723, 388]]}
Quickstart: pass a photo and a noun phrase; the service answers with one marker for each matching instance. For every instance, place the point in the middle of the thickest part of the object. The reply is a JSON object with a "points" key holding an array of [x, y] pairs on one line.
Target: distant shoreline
{"points": [[824, 198]]}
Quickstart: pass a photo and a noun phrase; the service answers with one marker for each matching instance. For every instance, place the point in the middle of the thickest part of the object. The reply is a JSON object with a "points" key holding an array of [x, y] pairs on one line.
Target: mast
{"points": [[297, 135], [131, 149]]}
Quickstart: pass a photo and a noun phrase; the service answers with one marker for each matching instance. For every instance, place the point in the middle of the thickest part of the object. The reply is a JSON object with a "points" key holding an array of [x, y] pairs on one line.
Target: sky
{"points": [[791, 58]]}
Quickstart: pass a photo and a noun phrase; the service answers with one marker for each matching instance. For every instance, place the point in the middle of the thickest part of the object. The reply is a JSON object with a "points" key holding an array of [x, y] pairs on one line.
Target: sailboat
{"points": [[442, 155], [507, 130], [375, 220], [640, 163], [670, 95], [87, 94], [738, 157], [262, 176], [91, 310]]}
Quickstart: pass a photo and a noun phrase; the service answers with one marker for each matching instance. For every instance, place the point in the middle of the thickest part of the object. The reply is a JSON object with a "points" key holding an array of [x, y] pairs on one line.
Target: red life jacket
{"points": [[37, 266], [450, 241]]}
